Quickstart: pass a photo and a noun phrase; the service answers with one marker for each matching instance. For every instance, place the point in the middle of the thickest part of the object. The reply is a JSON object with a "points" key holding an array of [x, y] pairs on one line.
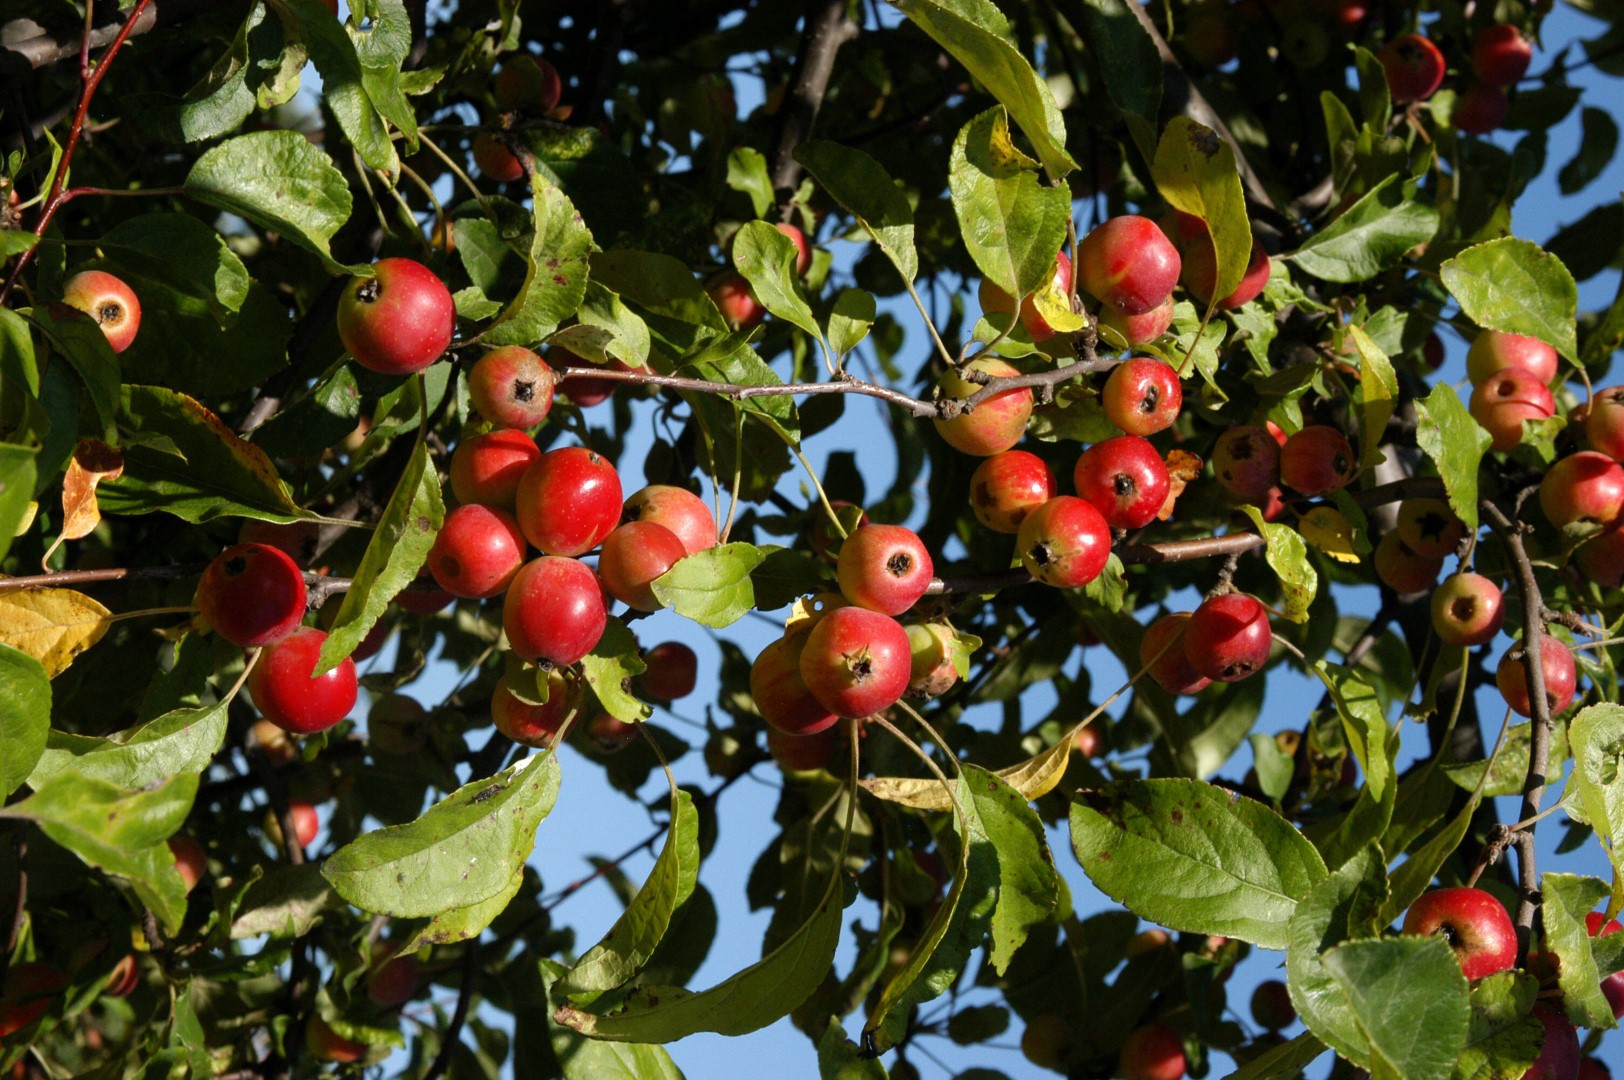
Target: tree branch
{"points": [[465, 999], [827, 29]]}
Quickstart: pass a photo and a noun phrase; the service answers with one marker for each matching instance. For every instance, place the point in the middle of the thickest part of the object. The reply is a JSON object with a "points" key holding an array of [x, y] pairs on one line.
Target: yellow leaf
{"points": [[1331, 532], [52, 625], [1033, 778]]}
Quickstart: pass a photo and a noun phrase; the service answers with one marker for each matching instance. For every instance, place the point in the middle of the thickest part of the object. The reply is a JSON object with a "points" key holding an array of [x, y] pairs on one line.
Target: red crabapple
{"points": [[1065, 542], [534, 725], [1604, 422], [1125, 479], [1228, 637], [1480, 109], [568, 500], [109, 301], [486, 468], [1199, 272], [884, 568], [1246, 460], [679, 510], [1317, 460], [673, 669], [527, 84], [781, 694], [1142, 396], [803, 250], [1402, 569], [633, 555], [609, 734], [1161, 652], [325, 1044], [1153, 1052], [1493, 351], [997, 423], [496, 160], [1138, 329], [191, 861], [995, 301], [856, 662], [554, 611], [1271, 1005], [1601, 558], [737, 302], [1008, 486], [512, 387], [477, 551], [1561, 677], [1504, 400], [803, 753], [393, 980], [1128, 263], [1587, 488], [288, 696], [1414, 67], [398, 321], [252, 595], [30, 990], [1501, 55], [1612, 987], [1467, 609], [1473, 923], [1559, 1049]]}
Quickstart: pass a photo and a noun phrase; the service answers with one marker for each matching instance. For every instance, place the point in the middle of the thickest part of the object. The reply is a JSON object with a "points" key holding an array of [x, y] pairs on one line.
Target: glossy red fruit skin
{"points": [[286, 695], [1503, 401], [108, 300], [486, 469], [1064, 543], [1474, 924], [534, 725], [679, 510], [1162, 651], [1601, 558], [1246, 460], [673, 670], [1561, 678], [1612, 986], [1142, 396], [803, 250], [398, 321], [1559, 1052], [1125, 479], [1467, 609], [884, 568], [554, 610], [633, 555], [1480, 109], [1492, 351], [1008, 486], [1128, 263], [1228, 637], [609, 734], [477, 552], [995, 425], [1414, 67], [1199, 273], [1429, 527], [856, 662], [1153, 1052], [1402, 569], [512, 387], [31, 988], [1587, 487], [1501, 55], [1138, 329], [995, 301], [736, 301], [1592, 1069], [781, 694], [252, 595], [297, 540], [495, 161], [568, 501], [1604, 423], [1317, 460]]}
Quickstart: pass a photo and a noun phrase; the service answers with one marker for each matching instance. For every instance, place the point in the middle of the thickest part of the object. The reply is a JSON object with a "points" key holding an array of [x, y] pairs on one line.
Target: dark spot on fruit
{"points": [[450, 567], [524, 391], [368, 291], [110, 312], [235, 565], [1242, 449], [1148, 403], [1039, 554], [1123, 485], [592, 456], [983, 494], [899, 564], [1462, 608]]}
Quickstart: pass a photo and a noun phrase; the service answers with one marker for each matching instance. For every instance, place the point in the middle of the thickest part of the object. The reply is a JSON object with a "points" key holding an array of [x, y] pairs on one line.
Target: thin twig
{"points": [[465, 999]]}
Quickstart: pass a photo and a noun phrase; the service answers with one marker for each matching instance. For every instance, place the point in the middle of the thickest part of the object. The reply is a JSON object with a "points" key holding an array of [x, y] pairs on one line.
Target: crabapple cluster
{"points": [[1498, 58]]}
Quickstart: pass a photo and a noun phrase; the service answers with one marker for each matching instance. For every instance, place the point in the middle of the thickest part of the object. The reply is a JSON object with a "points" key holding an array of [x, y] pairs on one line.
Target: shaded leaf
{"points": [[1368, 237], [1456, 443], [866, 191], [182, 741], [610, 668], [26, 719]]}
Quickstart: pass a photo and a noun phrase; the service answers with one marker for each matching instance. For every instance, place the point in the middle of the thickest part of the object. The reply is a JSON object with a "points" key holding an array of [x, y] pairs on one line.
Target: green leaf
{"points": [[712, 587], [1193, 857], [616, 960], [1380, 385], [1368, 237], [1566, 900], [26, 718], [1513, 286], [1130, 64], [1409, 999], [766, 258], [850, 320], [1456, 444], [119, 831], [610, 668], [1510, 765], [1503, 1038], [286, 903], [216, 473], [555, 271], [1411, 877], [463, 849], [15, 242], [1287, 556], [183, 254], [1596, 737], [963, 28], [747, 174], [17, 479], [180, 344], [1346, 904], [841, 1059], [1359, 708], [280, 182], [182, 741], [1596, 147], [1284, 1062], [462, 923], [604, 312], [596, 1059], [753, 998], [1012, 223], [394, 555], [343, 86], [82, 344], [1195, 172], [1028, 886], [866, 191]]}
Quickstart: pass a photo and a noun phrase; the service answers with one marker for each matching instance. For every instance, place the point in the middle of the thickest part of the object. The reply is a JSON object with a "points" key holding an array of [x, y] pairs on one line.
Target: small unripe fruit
{"points": [[1317, 460], [398, 321], [486, 469], [109, 301], [1228, 637], [884, 568], [568, 501], [554, 610], [1246, 460], [1501, 55], [856, 662], [1065, 542], [931, 671], [996, 424], [1504, 400], [1467, 610], [252, 595], [679, 510], [1583, 488], [1125, 479], [1128, 263], [1142, 396], [527, 84], [633, 555], [673, 669], [1493, 351], [306, 824], [1046, 1042], [1008, 486], [1414, 67], [534, 725], [288, 696], [1161, 651], [1429, 527], [1561, 677], [512, 387], [1403, 570]]}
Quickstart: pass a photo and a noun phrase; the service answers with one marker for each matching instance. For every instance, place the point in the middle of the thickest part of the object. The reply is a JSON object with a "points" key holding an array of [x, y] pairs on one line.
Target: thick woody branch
{"points": [[827, 29]]}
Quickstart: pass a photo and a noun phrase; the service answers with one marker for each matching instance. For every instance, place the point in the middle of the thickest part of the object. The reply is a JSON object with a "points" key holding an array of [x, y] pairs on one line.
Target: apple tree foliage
{"points": [[923, 145]]}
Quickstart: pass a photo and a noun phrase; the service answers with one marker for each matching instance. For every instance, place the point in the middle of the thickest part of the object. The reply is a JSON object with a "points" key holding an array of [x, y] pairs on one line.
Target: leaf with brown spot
{"points": [[93, 461], [52, 625]]}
